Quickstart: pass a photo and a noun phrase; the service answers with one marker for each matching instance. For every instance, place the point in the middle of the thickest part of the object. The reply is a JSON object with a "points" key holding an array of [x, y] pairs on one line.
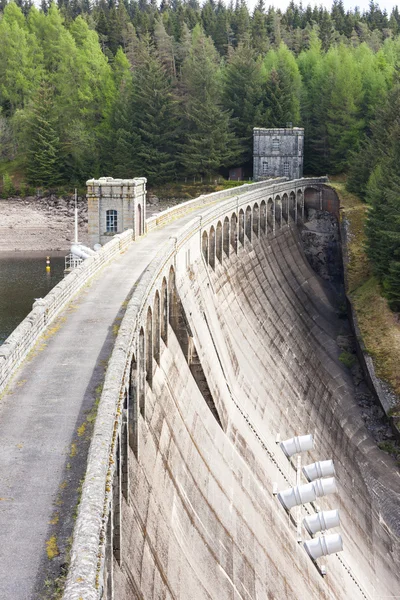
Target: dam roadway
{"points": [[45, 405], [228, 338]]}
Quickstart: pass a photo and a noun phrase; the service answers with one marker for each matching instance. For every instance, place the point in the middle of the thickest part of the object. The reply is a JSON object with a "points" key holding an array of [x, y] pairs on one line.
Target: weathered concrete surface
{"points": [[40, 414], [202, 521], [321, 243]]}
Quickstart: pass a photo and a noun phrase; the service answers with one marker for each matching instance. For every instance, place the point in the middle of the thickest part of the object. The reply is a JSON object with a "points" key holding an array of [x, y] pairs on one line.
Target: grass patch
{"points": [[347, 359], [378, 325], [355, 212], [81, 429], [388, 447], [52, 548]]}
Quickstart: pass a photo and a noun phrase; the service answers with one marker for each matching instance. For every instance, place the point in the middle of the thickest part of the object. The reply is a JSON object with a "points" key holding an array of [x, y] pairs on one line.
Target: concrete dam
{"points": [[228, 345]]}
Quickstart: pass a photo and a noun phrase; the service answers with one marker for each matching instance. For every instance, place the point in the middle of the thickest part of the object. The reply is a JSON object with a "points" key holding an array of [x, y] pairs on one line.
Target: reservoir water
{"points": [[23, 278]]}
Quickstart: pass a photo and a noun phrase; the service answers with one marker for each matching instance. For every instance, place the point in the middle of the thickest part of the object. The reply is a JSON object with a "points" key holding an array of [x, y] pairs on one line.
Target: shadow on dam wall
{"points": [[201, 521]]}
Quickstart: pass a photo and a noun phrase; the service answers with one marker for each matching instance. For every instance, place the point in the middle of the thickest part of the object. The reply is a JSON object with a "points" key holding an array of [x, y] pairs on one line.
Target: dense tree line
{"points": [[374, 173], [134, 89], [77, 98]]}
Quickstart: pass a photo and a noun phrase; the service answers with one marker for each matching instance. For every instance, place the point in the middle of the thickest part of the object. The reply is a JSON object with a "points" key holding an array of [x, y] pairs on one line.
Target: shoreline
{"points": [[40, 225]]}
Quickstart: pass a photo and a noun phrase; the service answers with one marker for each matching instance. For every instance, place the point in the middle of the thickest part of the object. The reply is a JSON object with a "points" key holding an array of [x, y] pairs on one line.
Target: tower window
{"points": [[111, 221], [286, 169], [265, 168], [276, 142]]}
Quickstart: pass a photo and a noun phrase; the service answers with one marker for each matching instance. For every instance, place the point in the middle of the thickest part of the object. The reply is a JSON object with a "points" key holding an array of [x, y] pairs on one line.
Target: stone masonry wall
{"points": [[278, 153]]}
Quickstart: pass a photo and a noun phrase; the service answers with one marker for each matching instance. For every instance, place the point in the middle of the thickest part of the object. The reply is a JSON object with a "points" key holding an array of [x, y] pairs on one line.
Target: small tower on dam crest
{"points": [[278, 153], [115, 205]]}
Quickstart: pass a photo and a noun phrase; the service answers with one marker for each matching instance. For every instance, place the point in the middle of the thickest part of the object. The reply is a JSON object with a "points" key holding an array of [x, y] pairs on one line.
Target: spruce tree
{"points": [[209, 143], [43, 155], [242, 96], [154, 118], [281, 90], [383, 223]]}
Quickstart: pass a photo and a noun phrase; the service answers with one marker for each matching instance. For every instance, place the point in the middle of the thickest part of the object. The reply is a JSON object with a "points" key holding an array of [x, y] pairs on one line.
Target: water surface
{"points": [[23, 278]]}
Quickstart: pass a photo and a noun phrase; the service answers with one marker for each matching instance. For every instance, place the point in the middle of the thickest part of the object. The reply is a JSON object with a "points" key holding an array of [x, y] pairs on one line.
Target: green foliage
{"points": [[176, 90], [281, 90], [43, 148], [383, 195], [20, 62], [154, 118], [389, 447], [347, 359], [242, 96], [8, 187], [209, 143]]}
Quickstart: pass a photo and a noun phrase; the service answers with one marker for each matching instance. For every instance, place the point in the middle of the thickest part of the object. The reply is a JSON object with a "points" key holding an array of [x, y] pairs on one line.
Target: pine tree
{"points": [[154, 118], [375, 143], [208, 142], [281, 93], [258, 29], [383, 223], [242, 96], [43, 155], [165, 48], [20, 60], [121, 157]]}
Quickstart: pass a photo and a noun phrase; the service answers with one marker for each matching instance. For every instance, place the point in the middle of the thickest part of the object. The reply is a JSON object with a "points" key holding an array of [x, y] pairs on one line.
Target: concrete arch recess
{"points": [[300, 205], [234, 233], [278, 212], [270, 215], [149, 347], [133, 405], [226, 236], [218, 250], [263, 216], [164, 310], [256, 219], [241, 227], [285, 208], [211, 248], [156, 327], [142, 372], [204, 246], [292, 206], [248, 223]]}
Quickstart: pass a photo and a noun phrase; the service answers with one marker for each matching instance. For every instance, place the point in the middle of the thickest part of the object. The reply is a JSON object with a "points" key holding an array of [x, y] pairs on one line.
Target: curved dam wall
{"points": [[230, 340]]}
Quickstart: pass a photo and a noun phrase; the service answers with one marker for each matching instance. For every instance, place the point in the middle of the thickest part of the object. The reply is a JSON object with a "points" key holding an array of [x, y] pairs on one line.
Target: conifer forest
{"points": [[173, 90]]}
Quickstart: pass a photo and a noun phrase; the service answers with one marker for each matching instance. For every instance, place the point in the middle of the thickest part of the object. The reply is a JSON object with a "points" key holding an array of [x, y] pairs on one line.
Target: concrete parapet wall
{"points": [[166, 216], [18, 345]]}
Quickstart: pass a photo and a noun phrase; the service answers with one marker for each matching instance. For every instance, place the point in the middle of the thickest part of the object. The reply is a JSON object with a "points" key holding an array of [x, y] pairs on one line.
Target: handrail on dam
{"points": [[94, 526], [21, 341]]}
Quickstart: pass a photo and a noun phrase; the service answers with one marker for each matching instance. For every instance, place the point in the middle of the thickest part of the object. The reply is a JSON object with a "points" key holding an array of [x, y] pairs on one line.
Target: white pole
{"points": [[76, 217]]}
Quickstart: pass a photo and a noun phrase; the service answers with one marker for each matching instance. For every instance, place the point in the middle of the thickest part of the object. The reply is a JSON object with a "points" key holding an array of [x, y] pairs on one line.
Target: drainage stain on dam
{"points": [[250, 351]]}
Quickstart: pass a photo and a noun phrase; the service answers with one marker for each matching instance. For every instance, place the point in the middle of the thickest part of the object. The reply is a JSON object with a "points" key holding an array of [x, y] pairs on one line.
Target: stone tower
{"points": [[115, 205], [278, 153]]}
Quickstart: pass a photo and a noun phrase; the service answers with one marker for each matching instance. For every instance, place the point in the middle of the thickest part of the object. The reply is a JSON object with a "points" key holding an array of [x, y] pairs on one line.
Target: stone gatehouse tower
{"points": [[115, 205], [278, 153]]}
